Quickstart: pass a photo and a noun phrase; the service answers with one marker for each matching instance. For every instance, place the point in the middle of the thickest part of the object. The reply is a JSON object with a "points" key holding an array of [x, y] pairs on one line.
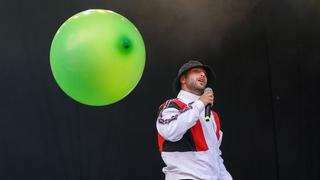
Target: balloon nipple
{"points": [[125, 45]]}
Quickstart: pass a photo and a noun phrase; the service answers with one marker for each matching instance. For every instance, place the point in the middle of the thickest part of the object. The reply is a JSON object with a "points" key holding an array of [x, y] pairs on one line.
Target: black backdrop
{"points": [[266, 57]]}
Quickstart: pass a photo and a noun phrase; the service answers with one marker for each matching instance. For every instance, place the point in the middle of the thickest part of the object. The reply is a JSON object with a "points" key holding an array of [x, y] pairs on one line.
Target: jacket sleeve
{"points": [[172, 123]]}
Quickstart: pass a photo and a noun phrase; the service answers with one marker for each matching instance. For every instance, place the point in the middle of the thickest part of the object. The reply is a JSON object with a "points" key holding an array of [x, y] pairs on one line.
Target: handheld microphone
{"points": [[207, 111]]}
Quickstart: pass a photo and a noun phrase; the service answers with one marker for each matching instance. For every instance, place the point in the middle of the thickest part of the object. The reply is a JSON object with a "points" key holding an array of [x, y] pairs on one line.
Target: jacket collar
{"points": [[187, 96]]}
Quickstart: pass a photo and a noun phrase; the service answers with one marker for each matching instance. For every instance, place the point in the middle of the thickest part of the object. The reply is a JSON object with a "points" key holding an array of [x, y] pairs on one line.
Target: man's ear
{"points": [[183, 79]]}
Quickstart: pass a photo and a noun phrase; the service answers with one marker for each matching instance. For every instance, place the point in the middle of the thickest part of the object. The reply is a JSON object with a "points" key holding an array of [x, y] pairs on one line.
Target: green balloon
{"points": [[97, 57]]}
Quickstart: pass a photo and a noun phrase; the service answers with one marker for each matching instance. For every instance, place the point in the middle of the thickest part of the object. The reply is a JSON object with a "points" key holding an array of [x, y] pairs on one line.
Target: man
{"points": [[189, 144]]}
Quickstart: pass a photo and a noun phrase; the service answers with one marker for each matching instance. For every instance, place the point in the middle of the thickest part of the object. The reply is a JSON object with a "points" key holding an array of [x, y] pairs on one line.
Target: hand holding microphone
{"points": [[207, 98]]}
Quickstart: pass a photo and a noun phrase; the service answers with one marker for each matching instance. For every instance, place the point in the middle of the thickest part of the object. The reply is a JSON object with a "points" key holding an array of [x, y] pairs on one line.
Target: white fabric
{"points": [[202, 165]]}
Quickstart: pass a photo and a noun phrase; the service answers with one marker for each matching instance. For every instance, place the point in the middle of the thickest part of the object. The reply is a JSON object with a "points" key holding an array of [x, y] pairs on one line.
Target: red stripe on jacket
{"points": [[217, 120]]}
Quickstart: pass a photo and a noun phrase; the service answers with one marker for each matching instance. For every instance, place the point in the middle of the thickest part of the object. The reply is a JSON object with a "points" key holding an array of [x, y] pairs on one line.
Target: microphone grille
{"points": [[208, 89]]}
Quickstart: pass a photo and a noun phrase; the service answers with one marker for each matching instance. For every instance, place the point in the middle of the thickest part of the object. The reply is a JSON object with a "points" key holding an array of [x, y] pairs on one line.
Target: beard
{"points": [[196, 86]]}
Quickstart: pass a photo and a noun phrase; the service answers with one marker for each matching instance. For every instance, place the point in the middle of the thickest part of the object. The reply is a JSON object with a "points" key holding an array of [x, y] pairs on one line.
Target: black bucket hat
{"points": [[189, 65]]}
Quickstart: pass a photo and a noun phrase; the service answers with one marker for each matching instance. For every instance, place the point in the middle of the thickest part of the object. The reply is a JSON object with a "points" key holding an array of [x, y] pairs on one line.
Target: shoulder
{"points": [[215, 114], [172, 103]]}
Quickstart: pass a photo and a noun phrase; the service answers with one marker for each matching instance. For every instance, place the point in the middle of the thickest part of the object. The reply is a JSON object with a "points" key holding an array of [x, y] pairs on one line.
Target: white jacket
{"points": [[189, 145]]}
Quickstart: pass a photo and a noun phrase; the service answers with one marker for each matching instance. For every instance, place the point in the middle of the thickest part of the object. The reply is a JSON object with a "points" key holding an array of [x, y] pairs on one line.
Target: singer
{"points": [[188, 143]]}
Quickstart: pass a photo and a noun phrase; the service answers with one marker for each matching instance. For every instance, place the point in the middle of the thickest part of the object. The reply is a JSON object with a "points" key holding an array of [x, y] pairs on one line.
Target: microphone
{"points": [[207, 111]]}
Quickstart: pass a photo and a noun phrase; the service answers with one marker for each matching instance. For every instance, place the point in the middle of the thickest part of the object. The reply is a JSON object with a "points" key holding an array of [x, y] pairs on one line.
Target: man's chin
{"points": [[201, 88]]}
